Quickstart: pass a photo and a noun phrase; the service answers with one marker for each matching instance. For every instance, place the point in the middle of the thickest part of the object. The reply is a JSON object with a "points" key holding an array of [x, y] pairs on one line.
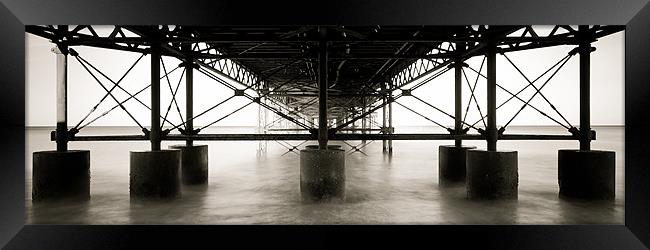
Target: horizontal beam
{"points": [[249, 38], [303, 137], [335, 56], [344, 129], [171, 40], [314, 94]]}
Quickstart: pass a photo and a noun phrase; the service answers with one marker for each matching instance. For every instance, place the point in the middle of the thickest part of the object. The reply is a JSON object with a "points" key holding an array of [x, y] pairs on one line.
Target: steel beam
{"points": [[189, 98], [155, 133], [301, 129], [585, 121], [303, 137], [390, 121], [315, 94], [458, 90], [61, 52], [323, 85], [135, 43], [492, 133], [384, 143], [364, 120], [269, 38]]}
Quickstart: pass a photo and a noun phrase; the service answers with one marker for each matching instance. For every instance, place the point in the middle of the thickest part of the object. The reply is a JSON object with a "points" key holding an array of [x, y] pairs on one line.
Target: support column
{"points": [[189, 98], [61, 52], [322, 168], [154, 134], [585, 120], [364, 120], [586, 173], [61, 173], [390, 121], [452, 158], [492, 174], [458, 90], [194, 158], [491, 97], [155, 173], [383, 117], [322, 90]]}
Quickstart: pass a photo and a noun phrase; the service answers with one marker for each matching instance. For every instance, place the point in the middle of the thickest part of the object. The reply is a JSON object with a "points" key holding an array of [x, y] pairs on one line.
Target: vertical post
{"points": [[491, 96], [390, 121], [61, 52], [383, 117], [585, 123], [189, 98], [322, 90], [364, 120], [458, 88], [155, 96]]}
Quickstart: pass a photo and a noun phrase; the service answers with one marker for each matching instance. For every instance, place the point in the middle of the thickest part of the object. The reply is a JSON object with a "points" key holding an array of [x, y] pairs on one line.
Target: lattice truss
{"points": [[370, 67]]}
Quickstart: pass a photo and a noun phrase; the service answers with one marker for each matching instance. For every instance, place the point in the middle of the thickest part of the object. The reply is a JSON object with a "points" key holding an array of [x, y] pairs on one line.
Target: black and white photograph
{"points": [[325, 124]]}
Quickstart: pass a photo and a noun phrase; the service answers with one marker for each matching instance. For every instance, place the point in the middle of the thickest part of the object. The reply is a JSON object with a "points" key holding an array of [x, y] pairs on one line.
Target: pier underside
{"points": [[325, 94]]}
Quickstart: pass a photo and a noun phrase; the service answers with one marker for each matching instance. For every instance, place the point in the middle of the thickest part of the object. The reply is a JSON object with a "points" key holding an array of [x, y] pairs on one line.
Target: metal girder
{"points": [[334, 137], [257, 99], [155, 133], [584, 68], [176, 37], [323, 86]]}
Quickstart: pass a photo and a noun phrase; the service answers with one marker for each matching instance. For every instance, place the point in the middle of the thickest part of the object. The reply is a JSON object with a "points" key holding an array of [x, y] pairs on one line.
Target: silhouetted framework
{"points": [[338, 74]]}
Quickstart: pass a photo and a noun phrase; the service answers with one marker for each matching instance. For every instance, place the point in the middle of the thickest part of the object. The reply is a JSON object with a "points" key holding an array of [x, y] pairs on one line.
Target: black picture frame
{"points": [[634, 14]]}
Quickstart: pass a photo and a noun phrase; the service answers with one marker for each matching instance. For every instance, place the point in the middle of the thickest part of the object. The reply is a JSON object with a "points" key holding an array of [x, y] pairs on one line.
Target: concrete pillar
{"points": [[155, 174], [322, 173], [61, 175], [452, 164], [586, 174], [492, 174], [194, 163]]}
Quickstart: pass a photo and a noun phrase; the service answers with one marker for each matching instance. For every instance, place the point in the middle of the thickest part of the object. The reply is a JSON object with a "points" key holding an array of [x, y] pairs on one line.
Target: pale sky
{"points": [[607, 89]]}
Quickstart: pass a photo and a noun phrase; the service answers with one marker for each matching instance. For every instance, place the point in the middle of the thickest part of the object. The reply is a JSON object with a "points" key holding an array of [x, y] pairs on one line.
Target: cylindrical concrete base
{"points": [[322, 174], [155, 174], [194, 163], [452, 164], [61, 175], [492, 174], [588, 174]]}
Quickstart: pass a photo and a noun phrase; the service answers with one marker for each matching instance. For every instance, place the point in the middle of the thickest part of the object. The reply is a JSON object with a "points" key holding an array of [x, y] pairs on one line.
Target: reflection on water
{"points": [[247, 186]]}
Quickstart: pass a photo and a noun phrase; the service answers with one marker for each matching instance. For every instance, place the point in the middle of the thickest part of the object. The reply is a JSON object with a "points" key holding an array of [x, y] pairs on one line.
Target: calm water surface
{"points": [[247, 186]]}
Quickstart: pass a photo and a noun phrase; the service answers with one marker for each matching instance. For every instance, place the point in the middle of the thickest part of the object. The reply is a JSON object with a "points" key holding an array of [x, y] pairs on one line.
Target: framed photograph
{"points": [[373, 123]]}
